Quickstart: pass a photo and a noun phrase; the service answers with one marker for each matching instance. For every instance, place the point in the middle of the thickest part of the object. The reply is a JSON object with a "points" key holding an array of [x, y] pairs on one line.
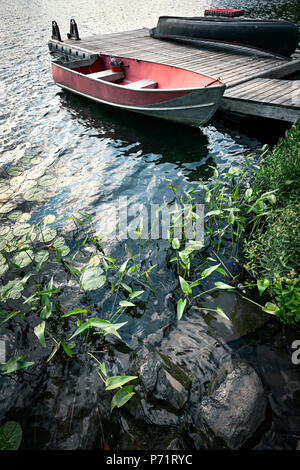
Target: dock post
{"points": [[55, 32], [73, 34]]}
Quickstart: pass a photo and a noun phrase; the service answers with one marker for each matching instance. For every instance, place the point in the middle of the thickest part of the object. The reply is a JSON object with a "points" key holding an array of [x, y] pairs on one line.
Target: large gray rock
{"points": [[235, 407]]}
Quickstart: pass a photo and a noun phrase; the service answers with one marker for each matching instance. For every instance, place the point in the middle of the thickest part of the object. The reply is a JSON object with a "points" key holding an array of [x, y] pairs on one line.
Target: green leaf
{"points": [[222, 313], [39, 331], [118, 381], [180, 307], [67, 349], [24, 258], [75, 311], [271, 308], [54, 351], [215, 212], [14, 364], [9, 316], [121, 397], [136, 294], [123, 267], [222, 285], [103, 368], [209, 270], [125, 303], [185, 286], [91, 279], [262, 285], [175, 244], [34, 194], [83, 327], [10, 436], [47, 234]]}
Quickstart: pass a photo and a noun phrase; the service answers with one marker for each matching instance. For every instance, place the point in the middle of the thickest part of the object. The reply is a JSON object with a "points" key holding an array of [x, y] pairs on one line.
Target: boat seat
{"points": [[107, 75], [140, 84]]}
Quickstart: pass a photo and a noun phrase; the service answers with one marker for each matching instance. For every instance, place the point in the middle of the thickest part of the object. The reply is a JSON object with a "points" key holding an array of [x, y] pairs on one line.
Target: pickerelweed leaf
{"points": [[8, 316], [54, 351], [209, 270], [185, 287], [222, 285], [121, 397], [262, 285], [39, 331], [10, 436], [118, 381], [125, 303], [67, 349], [222, 313], [180, 307], [14, 364], [75, 311]]}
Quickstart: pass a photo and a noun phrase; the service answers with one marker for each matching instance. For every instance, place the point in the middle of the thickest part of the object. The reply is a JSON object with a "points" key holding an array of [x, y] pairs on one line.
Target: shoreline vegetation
{"points": [[251, 248]]}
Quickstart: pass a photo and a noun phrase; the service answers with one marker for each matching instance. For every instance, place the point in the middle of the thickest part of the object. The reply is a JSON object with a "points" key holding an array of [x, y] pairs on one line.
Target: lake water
{"points": [[85, 157]]}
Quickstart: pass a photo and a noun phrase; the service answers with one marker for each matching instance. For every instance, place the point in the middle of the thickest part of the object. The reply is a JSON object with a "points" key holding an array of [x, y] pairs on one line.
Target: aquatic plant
{"points": [[36, 247]]}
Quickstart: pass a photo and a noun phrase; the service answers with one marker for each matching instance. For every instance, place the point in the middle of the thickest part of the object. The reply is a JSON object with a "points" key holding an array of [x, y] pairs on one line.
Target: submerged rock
{"points": [[234, 408]]}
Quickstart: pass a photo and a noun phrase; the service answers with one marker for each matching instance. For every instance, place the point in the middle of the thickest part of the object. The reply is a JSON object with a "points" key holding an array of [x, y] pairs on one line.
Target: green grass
{"points": [[272, 251]]}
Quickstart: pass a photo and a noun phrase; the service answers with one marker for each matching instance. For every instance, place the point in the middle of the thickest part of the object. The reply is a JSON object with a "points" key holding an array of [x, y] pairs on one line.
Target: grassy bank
{"points": [[272, 249]]}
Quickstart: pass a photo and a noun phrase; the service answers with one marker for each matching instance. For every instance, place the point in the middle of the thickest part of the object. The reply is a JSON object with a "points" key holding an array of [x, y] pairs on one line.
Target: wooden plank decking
{"points": [[251, 77]]}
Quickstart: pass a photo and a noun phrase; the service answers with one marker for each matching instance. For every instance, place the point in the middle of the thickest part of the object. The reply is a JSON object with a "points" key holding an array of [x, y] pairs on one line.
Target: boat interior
{"points": [[138, 74]]}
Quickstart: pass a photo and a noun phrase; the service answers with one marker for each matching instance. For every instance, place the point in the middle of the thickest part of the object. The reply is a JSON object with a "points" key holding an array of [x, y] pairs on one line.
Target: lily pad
{"points": [[10, 436], [5, 195], [21, 230], [35, 173], [2, 259], [47, 180], [4, 230], [3, 268], [41, 256], [24, 258], [28, 185], [19, 216], [58, 242], [17, 180], [16, 170], [64, 250], [3, 186], [49, 219], [34, 194], [63, 181], [11, 246], [7, 207], [47, 234], [91, 279]]}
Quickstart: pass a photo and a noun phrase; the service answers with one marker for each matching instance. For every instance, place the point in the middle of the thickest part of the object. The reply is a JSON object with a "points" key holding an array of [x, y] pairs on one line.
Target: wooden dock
{"points": [[254, 80]]}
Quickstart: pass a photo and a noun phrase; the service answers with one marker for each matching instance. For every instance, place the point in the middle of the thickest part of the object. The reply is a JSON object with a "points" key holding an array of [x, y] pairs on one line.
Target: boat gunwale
{"points": [[147, 90]]}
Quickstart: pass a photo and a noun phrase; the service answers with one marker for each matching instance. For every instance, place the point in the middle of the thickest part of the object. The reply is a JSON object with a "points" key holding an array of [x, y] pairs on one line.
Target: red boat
{"points": [[149, 88]]}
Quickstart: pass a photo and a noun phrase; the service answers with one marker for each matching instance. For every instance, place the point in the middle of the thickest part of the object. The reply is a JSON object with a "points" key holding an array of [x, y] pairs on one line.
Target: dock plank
{"points": [[251, 77]]}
